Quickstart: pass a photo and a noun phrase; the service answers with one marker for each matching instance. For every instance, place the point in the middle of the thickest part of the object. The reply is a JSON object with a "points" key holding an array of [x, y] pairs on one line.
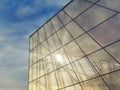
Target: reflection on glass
{"points": [[114, 50], [64, 17], [87, 44], [49, 29], [66, 76], [42, 35], [113, 80], [59, 58], [74, 29], [76, 7], [33, 40], [41, 84], [108, 32], [112, 4], [75, 87], [104, 62], [84, 69], [95, 84], [34, 85], [93, 16], [53, 42], [51, 82], [64, 36], [48, 66], [44, 49], [73, 51], [56, 23]]}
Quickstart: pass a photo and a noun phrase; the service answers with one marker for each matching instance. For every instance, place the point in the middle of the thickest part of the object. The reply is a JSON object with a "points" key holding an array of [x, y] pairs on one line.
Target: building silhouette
{"points": [[78, 48]]}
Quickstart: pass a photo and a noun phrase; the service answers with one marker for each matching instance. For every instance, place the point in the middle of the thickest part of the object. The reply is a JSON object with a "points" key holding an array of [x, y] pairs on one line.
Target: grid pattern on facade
{"points": [[78, 48]]}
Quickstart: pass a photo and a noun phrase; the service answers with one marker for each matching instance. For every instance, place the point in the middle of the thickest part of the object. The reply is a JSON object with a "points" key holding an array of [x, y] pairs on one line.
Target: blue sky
{"points": [[19, 19]]}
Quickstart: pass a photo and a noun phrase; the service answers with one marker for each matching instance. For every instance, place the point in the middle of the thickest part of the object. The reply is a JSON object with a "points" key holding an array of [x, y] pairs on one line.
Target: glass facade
{"points": [[78, 48]]}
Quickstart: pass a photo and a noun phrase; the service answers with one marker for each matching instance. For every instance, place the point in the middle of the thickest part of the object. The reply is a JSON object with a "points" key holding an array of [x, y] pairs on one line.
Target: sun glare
{"points": [[59, 58]]}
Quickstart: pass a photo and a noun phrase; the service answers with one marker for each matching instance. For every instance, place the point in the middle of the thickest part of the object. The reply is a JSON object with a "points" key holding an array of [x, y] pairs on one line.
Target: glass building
{"points": [[78, 48]]}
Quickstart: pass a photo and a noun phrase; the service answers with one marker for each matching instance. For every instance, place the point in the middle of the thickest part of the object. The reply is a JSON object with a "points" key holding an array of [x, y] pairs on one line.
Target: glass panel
{"points": [[42, 34], [30, 60], [34, 85], [64, 17], [95, 84], [30, 74], [56, 23], [34, 71], [44, 49], [74, 29], [84, 69], [108, 32], [53, 42], [76, 7], [41, 72], [39, 52], [93, 17], [114, 50], [33, 40], [112, 4], [59, 58], [74, 87], [51, 82], [49, 29], [73, 51], [34, 58], [66, 76], [104, 62], [48, 66], [87, 44], [113, 80], [41, 84], [37, 70], [64, 36], [30, 86]]}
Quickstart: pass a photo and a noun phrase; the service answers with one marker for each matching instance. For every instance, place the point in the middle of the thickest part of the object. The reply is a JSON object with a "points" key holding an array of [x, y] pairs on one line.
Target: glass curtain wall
{"points": [[78, 48]]}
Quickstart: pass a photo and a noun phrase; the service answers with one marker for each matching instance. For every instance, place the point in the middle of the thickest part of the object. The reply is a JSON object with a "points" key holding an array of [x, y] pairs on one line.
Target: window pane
{"points": [[39, 52], [33, 40], [44, 49], [51, 82], [41, 84], [108, 32], [30, 74], [56, 23], [114, 50], [34, 85], [87, 44], [73, 51], [66, 76], [59, 58], [48, 66], [64, 17], [76, 7], [34, 71], [113, 80], [104, 62], [74, 29], [93, 16], [95, 84], [41, 72], [112, 4], [49, 29], [74, 87], [84, 69], [42, 35], [64, 36], [53, 42]]}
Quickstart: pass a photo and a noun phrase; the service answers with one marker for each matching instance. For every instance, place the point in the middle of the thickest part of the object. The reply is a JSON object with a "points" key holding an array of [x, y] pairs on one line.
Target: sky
{"points": [[18, 20]]}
